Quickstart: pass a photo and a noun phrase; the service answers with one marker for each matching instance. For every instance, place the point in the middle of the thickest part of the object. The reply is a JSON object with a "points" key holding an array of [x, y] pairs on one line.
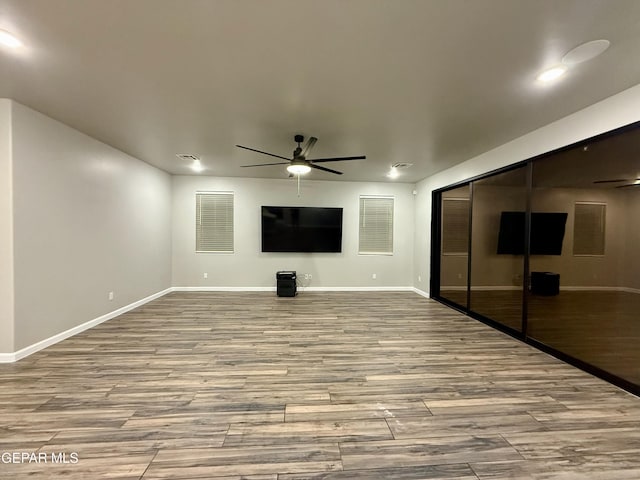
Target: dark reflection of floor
{"points": [[599, 327]]}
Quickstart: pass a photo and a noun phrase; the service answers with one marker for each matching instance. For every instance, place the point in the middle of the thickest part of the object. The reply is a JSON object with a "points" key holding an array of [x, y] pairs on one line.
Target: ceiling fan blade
{"points": [[325, 169], [266, 164], [265, 153], [307, 148], [612, 181], [338, 159], [629, 185]]}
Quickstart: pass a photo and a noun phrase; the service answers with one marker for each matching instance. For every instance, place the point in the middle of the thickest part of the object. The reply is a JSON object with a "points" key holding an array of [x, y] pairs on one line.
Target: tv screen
{"points": [[547, 233], [301, 229]]}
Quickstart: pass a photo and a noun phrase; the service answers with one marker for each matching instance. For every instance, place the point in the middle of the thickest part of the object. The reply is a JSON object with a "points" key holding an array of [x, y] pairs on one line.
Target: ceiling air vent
{"points": [[402, 165], [187, 156]]}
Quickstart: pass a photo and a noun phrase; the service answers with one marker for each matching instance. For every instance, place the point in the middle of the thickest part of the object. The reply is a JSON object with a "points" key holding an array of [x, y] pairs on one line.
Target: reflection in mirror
{"points": [[585, 300], [497, 247], [454, 245]]}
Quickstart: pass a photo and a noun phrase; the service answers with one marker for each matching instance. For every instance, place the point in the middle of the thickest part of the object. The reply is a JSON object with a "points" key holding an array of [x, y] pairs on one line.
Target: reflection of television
{"points": [[301, 229], [547, 233]]}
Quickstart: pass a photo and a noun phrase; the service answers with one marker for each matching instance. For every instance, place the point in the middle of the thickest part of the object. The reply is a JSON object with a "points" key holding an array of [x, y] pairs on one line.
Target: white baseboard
{"points": [[7, 357], [355, 289], [24, 352], [300, 288], [223, 289], [421, 292]]}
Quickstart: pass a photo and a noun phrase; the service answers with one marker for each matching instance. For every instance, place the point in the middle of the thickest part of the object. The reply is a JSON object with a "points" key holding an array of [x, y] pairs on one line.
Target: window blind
{"points": [[455, 226], [589, 228], [376, 225], [214, 222]]}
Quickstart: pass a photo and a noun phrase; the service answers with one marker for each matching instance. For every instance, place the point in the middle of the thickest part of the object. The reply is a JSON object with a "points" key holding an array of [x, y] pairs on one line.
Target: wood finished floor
{"points": [[322, 386], [601, 328]]}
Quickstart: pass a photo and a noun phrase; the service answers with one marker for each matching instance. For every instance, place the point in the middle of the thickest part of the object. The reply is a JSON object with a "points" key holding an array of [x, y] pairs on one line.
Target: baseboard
{"points": [[355, 289], [24, 352], [421, 292], [300, 288], [223, 289], [7, 357]]}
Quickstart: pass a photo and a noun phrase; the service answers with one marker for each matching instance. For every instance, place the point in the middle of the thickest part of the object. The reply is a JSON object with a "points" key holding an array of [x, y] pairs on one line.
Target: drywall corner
{"points": [[6, 232]]}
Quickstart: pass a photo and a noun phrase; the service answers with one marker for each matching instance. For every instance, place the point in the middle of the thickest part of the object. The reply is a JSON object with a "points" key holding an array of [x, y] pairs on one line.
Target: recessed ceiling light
{"points": [[585, 52], [393, 173], [196, 166], [9, 40], [552, 74]]}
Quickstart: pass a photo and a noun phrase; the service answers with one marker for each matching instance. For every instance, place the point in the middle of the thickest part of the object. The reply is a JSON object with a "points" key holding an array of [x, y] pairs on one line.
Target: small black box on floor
{"points": [[545, 283], [286, 284]]}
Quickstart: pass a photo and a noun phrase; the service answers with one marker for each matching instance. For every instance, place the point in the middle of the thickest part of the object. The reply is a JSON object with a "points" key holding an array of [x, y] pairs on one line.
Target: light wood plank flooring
{"points": [[329, 385], [601, 328]]}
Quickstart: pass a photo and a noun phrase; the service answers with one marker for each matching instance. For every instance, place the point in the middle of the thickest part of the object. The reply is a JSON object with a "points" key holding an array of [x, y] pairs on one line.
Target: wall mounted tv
{"points": [[547, 233], [301, 229]]}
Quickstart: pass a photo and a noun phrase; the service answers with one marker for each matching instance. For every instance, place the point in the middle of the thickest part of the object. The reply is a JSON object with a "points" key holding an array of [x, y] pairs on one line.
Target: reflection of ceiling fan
{"points": [[299, 164], [631, 182]]}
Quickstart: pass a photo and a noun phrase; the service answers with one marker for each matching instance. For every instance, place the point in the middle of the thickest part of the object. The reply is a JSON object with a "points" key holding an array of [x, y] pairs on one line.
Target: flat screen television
{"points": [[547, 233], [301, 229]]}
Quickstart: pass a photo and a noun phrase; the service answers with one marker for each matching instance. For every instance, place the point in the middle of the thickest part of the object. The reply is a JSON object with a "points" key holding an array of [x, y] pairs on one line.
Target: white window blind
{"points": [[214, 222], [455, 226], [589, 228], [376, 225]]}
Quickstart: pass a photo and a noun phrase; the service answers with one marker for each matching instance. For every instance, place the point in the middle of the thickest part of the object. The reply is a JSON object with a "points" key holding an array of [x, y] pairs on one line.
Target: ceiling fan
{"points": [[631, 182], [299, 164]]}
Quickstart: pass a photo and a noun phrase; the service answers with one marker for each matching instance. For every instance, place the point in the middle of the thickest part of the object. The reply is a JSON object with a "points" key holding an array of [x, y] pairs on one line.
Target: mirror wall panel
{"points": [[553, 252], [454, 244], [584, 298], [497, 247]]}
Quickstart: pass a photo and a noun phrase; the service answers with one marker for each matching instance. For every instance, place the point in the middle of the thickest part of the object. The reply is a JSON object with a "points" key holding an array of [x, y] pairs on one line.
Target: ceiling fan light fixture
{"points": [[298, 168]]}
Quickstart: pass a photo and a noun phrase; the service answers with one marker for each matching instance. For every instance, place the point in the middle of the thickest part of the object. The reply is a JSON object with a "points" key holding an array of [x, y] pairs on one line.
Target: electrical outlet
{"points": [[306, 276], [310, 276], [110, 295], [374, 276], [205, 275], [419, 278], [459, 275]]}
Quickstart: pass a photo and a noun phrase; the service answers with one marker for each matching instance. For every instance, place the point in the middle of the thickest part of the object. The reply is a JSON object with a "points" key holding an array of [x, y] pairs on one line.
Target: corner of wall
{"points": [[7, 329]]}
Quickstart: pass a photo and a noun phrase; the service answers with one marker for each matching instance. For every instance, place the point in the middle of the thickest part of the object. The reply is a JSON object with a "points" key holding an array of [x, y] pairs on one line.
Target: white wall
{"points": [[88, 219], [6, 230], [613, 112], [249, 267]]}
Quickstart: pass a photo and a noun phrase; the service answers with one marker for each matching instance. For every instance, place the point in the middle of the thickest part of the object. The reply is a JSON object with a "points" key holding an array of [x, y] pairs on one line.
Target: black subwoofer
{"points": [[286, 284]]}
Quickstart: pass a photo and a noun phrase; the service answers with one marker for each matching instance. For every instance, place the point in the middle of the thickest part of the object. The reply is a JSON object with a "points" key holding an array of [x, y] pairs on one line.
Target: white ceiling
{"points": [[428, 82]]}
